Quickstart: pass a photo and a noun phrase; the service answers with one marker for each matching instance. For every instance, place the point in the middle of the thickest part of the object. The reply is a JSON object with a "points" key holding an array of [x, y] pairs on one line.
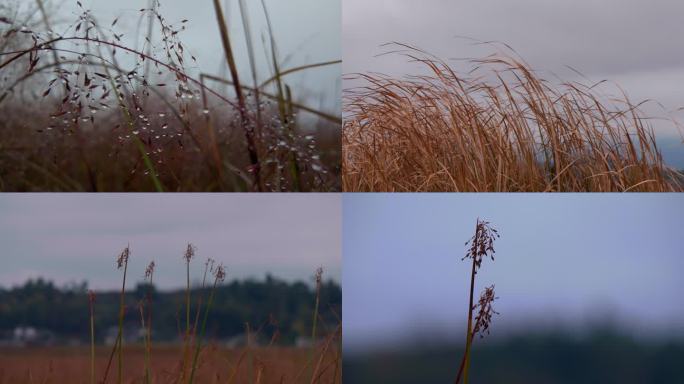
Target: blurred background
{"points": [[57, 247], [589, 288], [627, 43]]}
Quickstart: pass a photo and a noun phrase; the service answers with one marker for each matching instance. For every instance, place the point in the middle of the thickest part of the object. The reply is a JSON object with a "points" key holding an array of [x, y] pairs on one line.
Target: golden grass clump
{"points": [[500, 127]]}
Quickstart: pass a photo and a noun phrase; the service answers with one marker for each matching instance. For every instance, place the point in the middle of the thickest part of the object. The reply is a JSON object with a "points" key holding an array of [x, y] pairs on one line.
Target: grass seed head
{"points": [[189, 252], [485, 311], [149, 270], [219, 273], [123, 258], [482, 243]]}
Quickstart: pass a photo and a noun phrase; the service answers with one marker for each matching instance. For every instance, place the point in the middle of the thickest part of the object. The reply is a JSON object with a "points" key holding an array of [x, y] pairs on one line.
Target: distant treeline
{"points": [[276, 309], [604, 356]]}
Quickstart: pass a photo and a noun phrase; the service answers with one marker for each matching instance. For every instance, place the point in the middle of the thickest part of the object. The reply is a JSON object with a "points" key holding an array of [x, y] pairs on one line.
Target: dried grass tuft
{"points": [[500, 127]]}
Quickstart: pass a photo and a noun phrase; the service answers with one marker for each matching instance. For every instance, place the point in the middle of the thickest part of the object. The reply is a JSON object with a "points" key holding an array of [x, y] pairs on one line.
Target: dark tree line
{"points": [[272, 306]]}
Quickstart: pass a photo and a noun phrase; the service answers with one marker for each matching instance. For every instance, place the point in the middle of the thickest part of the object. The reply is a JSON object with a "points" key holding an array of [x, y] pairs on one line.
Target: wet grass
{"points": [[87, 112]]}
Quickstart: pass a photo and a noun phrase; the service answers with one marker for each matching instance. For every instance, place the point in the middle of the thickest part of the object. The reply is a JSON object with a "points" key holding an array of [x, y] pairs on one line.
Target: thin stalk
{"points": [[121, 319], [186, 346], [187, 299], [148, 339], [109, 362], [152, 9], [230, 59], [283, 95], [463, 361], [46, 21], [319, 274], [146, 374], [198, 344], [469, 337], [92, 339], [250, 358], [323, 115], [252, 61]]}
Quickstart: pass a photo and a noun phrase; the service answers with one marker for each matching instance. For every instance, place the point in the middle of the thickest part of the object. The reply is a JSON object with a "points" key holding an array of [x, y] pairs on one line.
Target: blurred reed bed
{"points": [[498, 127], [80, 117]]}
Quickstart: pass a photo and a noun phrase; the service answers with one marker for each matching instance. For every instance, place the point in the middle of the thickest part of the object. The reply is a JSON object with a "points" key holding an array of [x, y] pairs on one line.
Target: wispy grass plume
{"points": [[498, 127]]}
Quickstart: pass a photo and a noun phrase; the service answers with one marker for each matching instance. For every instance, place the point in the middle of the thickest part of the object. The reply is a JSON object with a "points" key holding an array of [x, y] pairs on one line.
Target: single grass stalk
{"points": [[312, 353], [143, 325], [252, 58], [188, 256], [91, 303], [219, 276], [242, 106], [250, 356], [149, 274], [481, 245], [284, 98], [122, 261], [469, 332], [299, 106]]}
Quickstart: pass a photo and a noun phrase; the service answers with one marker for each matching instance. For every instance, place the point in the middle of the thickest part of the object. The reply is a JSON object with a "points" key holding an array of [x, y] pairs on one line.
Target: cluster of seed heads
{"points": [[149, 270], [189, 252], [482, 243], [484, 311], [219, 273], [210, 264], [123, 258]]}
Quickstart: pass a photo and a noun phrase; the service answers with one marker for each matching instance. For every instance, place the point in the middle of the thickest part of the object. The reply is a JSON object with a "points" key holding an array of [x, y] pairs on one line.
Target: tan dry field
{"points": [[264, 365]]}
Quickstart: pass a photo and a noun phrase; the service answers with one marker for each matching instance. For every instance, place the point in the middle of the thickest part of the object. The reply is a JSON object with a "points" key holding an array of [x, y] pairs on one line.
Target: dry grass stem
{"points": [[499, 127]]}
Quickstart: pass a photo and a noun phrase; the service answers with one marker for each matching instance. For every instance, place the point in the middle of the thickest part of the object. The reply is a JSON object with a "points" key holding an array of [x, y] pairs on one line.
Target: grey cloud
{"points": [[76, 237]]}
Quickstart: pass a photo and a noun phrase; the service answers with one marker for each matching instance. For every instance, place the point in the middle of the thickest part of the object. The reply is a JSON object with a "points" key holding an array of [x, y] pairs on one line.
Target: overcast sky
{"points": [[565, 260], [634, 43], [76, 237], [307, 31]]}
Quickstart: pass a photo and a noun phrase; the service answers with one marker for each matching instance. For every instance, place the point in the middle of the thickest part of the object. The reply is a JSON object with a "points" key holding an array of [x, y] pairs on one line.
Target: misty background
{"points": [[589, 288], [563, 262], [633, 44], [69, 238]]}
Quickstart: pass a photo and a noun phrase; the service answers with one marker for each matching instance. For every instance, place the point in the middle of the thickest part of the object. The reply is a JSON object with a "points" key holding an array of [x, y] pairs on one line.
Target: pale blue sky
{"points": [[75, 237], [562, 260]]}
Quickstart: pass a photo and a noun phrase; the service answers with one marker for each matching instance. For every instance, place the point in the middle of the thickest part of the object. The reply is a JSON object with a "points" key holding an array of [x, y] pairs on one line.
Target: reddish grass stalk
{"points": [[469, 334], [481, 246], [149, 274], [122, 261]]}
